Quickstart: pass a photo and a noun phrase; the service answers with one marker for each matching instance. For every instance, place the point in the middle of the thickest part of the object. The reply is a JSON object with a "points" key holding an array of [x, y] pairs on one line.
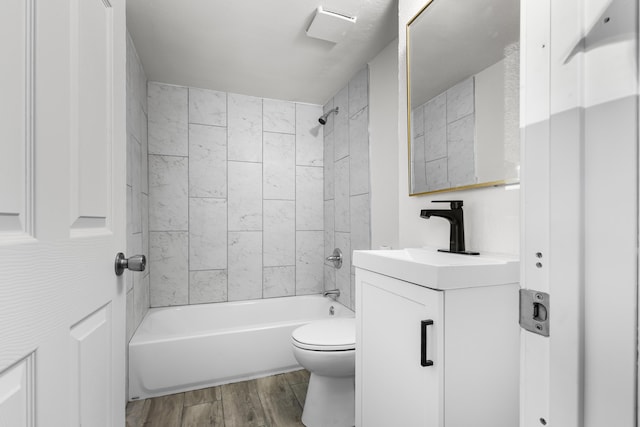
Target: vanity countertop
{"points": [[439, 270]]}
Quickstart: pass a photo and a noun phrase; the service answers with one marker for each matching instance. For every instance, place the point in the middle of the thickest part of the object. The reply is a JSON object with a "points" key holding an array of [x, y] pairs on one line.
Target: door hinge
{"points": [[535, 310]]}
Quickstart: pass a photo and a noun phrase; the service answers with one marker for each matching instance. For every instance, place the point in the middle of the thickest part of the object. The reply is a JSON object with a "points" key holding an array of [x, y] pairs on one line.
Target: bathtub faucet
{"points": [[335, 292]]}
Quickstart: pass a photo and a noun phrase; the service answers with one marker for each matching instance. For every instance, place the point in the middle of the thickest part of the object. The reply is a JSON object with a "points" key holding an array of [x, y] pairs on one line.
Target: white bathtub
{"points": [[189, 347]]}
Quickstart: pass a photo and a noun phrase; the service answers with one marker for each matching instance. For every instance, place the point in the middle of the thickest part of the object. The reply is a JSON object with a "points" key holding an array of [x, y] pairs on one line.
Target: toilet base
{"points": [[330, 402]]}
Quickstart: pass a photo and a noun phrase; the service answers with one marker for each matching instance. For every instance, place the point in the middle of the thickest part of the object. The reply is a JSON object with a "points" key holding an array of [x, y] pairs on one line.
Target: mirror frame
{"points": [[502, 182]]}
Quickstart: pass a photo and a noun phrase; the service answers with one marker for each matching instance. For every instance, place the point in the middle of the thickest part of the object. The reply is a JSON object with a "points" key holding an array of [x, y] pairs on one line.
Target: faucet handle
{"points": [[455, 204]]}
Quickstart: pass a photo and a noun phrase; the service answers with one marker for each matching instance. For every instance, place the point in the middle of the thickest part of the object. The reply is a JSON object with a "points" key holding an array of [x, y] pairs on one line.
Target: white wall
{"points": [[491, 214], [383, 130]]}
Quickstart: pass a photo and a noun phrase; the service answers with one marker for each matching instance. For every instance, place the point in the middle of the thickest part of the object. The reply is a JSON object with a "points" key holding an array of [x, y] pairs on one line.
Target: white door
{"points": [[62, 212], [579, 115], [396, 383]]}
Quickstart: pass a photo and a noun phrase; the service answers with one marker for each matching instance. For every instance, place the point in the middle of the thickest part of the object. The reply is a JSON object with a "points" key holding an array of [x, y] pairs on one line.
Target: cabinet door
{"points": [[393, 387]]}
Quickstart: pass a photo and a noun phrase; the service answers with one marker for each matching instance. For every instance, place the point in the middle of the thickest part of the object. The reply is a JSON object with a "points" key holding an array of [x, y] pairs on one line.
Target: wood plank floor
{"points": [[274, 401]]}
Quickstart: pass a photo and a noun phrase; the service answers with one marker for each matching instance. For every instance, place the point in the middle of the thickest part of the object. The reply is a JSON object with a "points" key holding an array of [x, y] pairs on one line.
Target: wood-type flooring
{"points": [[274, 401]]}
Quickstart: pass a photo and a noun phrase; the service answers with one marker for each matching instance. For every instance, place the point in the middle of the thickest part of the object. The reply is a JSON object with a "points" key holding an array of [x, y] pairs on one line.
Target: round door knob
{"points": [[134, 263]]}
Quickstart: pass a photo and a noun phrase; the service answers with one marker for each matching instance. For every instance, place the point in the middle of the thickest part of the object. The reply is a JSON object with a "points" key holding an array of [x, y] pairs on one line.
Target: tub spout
{"points": [[335, 292]]}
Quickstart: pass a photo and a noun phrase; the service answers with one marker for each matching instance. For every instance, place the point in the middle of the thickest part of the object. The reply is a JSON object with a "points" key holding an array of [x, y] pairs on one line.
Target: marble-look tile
{"points": [[329, 277], [435, 119], [134, 118], [207, 286], [141, 299], [343, 241], [129, 207], [207, 234], [142, 88], [169, 273], [436, 175], [309, 262], [279, 232], [135, 72], [341, 124], [329, 229], [168, 193], [461, 100], [417, 149], [279, 282], [309, 200], [278, 116], [328, 127], [136, 188], [245, 196], [419, 177], [360, 222], [417, 121], [136, 248], [359, 152], [359, 91], [279, 169], [207, 107], [207, 161], [309, 143], [244, 128], [460, 138], [131, 314], [145, 226], [144, 157], [329, 166], [168, 117], [134, 121], [342, 194], [131, 142], [245, 265], [130, 73]]}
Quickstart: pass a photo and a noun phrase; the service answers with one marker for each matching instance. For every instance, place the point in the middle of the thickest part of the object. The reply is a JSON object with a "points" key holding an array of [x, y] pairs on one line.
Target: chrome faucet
{"points": [[456, 220], [335, 292]]}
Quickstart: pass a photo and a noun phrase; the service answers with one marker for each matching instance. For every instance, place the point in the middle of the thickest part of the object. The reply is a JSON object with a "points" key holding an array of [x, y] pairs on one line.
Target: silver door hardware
{"points": [[134, 263], [336, 258], [535, 311]]}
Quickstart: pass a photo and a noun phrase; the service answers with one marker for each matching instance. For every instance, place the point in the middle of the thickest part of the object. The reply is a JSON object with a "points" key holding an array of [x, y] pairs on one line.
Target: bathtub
{"points": [[184, 348]]}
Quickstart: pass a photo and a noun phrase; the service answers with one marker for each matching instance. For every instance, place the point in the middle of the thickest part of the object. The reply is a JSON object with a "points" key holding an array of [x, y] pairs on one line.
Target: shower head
{"points": [[323, 118]]}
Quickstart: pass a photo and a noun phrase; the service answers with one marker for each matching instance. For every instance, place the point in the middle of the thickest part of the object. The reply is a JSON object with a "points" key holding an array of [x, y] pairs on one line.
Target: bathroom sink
{"points": [[439, 270]]}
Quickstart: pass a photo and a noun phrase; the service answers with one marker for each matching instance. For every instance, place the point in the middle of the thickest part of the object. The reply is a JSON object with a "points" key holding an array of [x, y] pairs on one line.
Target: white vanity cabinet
{"points": [[435, 357]]}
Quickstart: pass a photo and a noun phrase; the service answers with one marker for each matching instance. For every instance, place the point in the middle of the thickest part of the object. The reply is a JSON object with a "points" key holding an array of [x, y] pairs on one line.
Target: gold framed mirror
{"points": [[463, 70]]}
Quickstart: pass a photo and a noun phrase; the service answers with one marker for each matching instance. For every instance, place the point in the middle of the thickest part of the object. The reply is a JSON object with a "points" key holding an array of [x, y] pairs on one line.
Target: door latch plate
{"points": [[535, 310]]}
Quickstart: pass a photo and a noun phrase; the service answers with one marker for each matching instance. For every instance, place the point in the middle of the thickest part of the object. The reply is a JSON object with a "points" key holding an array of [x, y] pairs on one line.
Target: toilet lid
{"points": [[326, 335]]}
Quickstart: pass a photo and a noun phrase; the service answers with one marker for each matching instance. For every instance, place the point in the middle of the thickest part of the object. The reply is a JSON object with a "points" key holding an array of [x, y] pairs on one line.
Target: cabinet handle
{"points": [[423, 343]]}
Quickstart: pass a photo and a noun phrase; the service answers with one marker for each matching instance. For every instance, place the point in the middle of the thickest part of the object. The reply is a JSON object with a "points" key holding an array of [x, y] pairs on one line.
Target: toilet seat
{"points": [[326, 335]]}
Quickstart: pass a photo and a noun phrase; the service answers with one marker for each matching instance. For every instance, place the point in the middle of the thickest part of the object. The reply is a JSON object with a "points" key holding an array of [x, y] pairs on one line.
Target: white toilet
{"points": [[326, 348]]}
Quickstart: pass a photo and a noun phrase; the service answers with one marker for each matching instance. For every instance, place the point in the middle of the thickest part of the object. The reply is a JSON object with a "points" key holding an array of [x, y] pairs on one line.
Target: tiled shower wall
{"points": [[347, 210], [137, 188], [235, 196]]}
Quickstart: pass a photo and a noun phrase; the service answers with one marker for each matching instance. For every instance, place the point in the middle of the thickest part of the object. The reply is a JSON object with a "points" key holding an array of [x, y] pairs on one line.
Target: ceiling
{"points": [[257, 47]]}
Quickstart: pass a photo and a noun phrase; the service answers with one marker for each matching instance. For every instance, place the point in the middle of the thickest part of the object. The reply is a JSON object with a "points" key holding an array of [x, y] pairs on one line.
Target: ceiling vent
{"points": [[330, 26]]}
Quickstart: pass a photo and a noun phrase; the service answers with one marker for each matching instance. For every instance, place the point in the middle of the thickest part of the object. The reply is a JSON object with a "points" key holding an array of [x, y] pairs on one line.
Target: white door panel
{"points": [[62, 212], [16, 394], [579, 115]]}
